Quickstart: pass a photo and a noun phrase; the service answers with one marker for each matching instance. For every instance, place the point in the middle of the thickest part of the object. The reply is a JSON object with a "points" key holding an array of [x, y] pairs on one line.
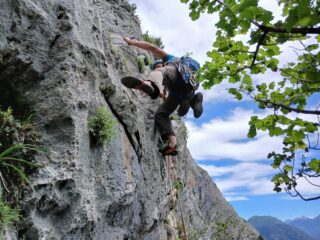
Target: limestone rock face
{"points": [[62, 60]]}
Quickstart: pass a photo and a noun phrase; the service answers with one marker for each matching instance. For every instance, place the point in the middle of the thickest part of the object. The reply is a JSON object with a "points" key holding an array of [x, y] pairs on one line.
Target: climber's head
{"points": [[156, 64]]}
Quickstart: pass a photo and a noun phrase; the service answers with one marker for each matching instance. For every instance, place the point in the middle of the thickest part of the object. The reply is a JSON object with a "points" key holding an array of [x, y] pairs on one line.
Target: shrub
{"points": [[101, 127], [153, 40], [141, 64]]}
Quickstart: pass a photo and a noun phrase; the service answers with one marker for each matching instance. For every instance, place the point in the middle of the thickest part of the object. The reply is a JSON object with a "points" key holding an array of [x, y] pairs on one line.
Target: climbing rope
{"points": [[172, 177]]}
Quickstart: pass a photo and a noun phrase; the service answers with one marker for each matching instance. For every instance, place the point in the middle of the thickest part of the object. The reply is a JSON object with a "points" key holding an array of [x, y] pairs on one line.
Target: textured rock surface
{"points": [[62, 59]]}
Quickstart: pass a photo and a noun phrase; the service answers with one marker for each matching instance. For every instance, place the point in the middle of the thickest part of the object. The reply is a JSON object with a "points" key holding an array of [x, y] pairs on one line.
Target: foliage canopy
{"points": [[285, 100]]}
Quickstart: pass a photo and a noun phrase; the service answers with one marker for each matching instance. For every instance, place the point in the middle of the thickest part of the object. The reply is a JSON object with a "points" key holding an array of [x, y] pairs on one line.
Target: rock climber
{"points": [[165, 77]]}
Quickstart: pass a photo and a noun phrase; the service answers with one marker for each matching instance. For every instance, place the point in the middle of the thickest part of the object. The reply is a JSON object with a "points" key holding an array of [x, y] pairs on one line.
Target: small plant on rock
{"points": [[141, 64], [101, 127], [18, 144], [8, 215], [16, 163]]}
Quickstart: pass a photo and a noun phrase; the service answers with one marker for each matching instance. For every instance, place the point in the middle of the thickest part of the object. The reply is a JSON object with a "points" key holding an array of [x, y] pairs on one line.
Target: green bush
{"points": [[141, 64], [102, 127], [153, 40]]}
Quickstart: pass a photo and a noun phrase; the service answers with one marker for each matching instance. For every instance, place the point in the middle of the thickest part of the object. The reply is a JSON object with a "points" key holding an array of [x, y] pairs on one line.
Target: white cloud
{"points": [[226, 138], [242, 179], [240, 169], [237, 198]]}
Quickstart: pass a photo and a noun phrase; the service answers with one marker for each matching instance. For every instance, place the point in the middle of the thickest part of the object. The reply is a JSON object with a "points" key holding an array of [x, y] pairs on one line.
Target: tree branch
{"points": [[296, 110], [268, 103], [245, 67], [300, 79], [303, 30], [257, 48], [313, 184], [304, 198], [314, 57]]}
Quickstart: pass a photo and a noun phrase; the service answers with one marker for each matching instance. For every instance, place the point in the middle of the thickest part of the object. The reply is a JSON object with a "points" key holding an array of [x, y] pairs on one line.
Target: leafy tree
{"points": [[286, 99]]}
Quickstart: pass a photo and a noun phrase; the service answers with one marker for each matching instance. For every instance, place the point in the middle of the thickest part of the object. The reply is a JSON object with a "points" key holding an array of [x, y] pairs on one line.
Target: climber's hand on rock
{"points": [[128, 40]]}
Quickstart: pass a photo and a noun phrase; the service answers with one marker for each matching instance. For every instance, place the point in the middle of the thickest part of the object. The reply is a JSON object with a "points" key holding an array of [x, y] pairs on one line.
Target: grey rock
{"points": [[62, 60]]}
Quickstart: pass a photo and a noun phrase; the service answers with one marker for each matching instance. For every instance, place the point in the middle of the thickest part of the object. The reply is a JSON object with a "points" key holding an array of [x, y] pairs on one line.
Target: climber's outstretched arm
{"points": [[156, 51]]}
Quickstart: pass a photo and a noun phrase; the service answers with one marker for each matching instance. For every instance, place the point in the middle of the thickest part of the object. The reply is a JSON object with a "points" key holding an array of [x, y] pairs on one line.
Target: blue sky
{"points": [[217, 140]]}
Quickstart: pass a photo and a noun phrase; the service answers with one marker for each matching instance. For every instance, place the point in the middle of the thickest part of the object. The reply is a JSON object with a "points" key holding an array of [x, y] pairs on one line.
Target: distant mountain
{"points": [[272, 228], [311, 226]]}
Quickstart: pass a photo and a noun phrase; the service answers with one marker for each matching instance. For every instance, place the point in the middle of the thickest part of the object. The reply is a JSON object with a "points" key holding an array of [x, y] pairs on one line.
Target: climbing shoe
{"points": [[196, 105], [166, 150], [184, 108], [132, 82]]}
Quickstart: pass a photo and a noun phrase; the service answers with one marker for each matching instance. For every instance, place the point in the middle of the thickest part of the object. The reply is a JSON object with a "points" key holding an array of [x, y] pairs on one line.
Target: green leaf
{"points": [[263, 15], [312, 47], [235, 93], [297, 135], [310, 128], [306, 21], [314, 164], [272, 85], [194, 15], [244, 4], [288, 168], [255, 70], [278, 131], [252, 131], [245, 25], [291, 20], [247, 80]]}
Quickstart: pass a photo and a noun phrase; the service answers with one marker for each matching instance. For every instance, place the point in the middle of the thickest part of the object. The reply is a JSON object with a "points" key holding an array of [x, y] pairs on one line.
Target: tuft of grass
{"points": [[17, 150], [8, 215], [12, 163], [18, 144], [102, 127]]}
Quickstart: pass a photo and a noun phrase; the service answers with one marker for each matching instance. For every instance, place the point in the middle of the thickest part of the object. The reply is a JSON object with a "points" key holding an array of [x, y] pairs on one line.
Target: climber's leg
{"points": [[163, 123]]}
